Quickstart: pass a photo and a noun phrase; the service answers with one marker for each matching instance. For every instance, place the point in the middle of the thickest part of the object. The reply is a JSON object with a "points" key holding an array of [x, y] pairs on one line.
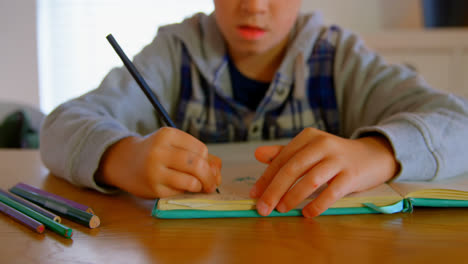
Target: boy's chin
{"points": [[251, 51]]}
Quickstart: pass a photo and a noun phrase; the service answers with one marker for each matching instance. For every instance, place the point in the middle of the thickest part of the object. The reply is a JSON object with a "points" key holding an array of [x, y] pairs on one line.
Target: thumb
{"points": [[266, 154]]}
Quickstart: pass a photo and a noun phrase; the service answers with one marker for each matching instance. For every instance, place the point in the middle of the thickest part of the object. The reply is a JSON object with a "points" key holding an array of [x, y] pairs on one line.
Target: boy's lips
{"points": [[250, 32]]}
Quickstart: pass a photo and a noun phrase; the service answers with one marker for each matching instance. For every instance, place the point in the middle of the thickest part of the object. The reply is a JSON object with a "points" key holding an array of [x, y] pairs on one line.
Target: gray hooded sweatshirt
{"points": [[328, 79]]}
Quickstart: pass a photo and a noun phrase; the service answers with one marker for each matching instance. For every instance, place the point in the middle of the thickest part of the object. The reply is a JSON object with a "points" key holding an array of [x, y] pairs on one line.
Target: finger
{"points": [[160, 191], [180, 139], [216, 164], [266, 154], [182, 181], [271, 190], [312, 180], [337, 189], [192, 164], [215, 160], [164, 191], [304, 139], [216, 173], [286, 177]]}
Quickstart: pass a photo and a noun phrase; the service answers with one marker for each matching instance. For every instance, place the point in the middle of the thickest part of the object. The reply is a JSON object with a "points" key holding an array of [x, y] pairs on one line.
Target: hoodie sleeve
{"points": [[77, 133], [427, 128]]}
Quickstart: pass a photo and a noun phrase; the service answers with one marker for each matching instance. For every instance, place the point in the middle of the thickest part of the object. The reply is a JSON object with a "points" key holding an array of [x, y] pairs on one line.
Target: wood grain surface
{"points": [[128, 233]]}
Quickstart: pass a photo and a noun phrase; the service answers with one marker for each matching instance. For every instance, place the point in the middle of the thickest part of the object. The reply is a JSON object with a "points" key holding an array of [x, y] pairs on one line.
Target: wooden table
{"points": [[128, 234]]}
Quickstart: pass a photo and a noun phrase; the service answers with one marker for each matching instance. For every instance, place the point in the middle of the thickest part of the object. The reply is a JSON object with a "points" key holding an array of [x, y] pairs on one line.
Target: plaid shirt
{"points": [[213, 117]]}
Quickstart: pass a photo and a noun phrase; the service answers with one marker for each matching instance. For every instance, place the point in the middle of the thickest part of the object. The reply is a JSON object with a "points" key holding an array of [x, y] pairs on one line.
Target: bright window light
{"points": [[74, 55]]}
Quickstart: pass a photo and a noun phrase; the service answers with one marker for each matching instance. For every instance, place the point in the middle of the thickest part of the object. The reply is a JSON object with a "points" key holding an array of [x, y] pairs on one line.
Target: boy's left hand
{"points": [[314, 158]]}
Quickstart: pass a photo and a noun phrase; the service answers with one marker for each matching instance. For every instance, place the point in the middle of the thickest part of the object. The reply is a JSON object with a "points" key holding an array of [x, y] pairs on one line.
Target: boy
{"points": [[253, 70]]}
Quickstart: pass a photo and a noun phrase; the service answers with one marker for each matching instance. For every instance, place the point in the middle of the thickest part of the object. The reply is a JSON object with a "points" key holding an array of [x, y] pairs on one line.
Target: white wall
{"points": [[364, 16], [18, 52]]}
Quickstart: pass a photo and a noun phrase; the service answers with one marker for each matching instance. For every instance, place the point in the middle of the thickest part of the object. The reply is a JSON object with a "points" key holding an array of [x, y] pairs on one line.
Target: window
{"points": [[74, 55]]}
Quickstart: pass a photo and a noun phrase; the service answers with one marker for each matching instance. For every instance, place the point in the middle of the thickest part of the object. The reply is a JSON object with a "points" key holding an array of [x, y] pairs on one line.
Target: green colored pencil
{"points": [[32, 206], [54, 226], [67, 211]]}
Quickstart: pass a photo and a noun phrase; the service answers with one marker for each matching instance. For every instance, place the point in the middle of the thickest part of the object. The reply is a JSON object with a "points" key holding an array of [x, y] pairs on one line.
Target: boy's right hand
{"points": [[165, 163]]}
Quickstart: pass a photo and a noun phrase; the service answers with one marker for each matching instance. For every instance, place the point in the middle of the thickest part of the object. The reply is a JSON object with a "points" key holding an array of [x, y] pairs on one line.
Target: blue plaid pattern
{"points": [[213, 117], [321, 92]]}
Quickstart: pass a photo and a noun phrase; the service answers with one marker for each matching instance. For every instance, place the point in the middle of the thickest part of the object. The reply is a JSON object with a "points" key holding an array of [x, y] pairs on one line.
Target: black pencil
{"points": [[31, 188], [142, 83]]}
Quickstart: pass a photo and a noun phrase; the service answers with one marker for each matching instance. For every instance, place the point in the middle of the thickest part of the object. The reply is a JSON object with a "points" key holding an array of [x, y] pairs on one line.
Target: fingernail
{"points": [[262, 208], [281, 208]]}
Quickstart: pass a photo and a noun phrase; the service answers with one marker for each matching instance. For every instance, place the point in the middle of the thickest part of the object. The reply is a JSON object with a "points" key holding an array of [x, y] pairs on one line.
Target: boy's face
{"points": [[253, 27]]}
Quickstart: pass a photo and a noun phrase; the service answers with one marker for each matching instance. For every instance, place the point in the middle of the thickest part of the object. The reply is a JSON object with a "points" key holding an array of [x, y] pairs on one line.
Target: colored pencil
{"points": [[142, 83], [22, 218], [54, 226], [63, 209], [57, 197], [32, 206]]}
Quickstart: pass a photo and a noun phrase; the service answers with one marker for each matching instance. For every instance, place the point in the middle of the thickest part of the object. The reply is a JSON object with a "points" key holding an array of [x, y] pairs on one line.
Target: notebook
{"points": [[240, 171]]}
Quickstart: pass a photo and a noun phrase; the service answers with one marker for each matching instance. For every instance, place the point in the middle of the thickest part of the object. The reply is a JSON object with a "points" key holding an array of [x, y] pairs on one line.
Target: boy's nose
{"points": [[254, 6]]}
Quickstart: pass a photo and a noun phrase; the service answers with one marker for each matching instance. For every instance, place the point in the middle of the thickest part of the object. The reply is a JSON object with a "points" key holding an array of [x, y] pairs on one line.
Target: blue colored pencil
{"points": [[22, 218], [58, 228]]}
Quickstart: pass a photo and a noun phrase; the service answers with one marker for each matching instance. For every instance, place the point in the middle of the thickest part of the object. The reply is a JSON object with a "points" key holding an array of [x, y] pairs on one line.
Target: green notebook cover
{"points": [[240, 171], [401, 206]]}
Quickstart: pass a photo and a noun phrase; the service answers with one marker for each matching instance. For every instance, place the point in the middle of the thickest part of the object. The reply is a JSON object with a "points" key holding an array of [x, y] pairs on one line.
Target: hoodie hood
{"points": [[206, 45]]}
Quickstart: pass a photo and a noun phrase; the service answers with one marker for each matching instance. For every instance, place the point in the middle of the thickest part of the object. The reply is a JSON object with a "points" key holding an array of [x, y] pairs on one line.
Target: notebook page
{"points": [[459, 183]]}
